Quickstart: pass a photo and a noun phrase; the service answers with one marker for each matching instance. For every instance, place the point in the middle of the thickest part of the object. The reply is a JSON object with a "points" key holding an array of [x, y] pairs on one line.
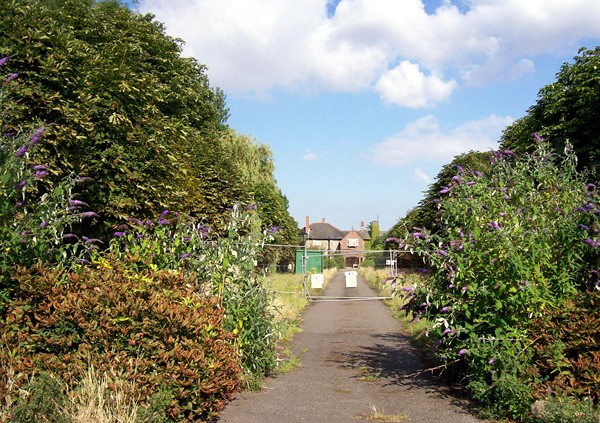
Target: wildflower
{"points": [[448, 331], [10, 78], [451, 286], [20, 185], [21, 151], [478, 173], [392, 239], [424, 305], [445, 309], [77, 203], [591, 242], [82, 261], [36, 136], [40, 174], [444, 190], [494, 225], [185, 255], [492, 360], [163, 222], [537, 137], [274, 229], [442, 253], [464, 289], [119, 234], [456, 179], [39, 168], [90, 240], [164, 213], [470, 183], [460, 169], [417, 235], [462, 352], [568, 147], [407, 288], [88, 214], [69, 236], [4, 60], [43, 224]]}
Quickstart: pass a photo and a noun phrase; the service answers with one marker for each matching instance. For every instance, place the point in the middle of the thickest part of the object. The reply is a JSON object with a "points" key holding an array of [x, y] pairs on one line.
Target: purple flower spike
{"points": [[21, 151], [456, 179], [40, 174], [274, 229], [445, 309], [36, 136], [164, 213], [119, 234], [11, 77], [444, 191], [4, 61], [460, 169], [537, 137], [591, 242], [185, 255], [492, 360], [407, 288], [20, 185], [462, 352], [88, 214], [443, 253]]}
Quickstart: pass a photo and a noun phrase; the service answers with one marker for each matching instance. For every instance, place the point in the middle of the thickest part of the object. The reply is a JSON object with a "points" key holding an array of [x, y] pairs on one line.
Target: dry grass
{"points": [[102, 399], [378, 416]]}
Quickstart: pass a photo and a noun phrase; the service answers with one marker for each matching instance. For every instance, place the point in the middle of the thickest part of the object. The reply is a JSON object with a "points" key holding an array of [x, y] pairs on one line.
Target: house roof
{"points": [[327, 231], [324, 231]]}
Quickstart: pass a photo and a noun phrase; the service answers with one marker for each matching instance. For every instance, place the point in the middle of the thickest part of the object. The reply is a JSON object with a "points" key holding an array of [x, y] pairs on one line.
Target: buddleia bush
{"points": [[512, 246]]}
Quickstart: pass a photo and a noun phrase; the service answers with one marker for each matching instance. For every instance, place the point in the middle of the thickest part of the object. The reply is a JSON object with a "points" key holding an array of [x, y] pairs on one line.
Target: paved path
{"points": [[353, 358]]}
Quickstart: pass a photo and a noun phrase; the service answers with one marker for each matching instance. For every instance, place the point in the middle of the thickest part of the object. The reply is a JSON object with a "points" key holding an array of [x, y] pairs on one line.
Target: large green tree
{"points": [[122, 107], [567, 109]]}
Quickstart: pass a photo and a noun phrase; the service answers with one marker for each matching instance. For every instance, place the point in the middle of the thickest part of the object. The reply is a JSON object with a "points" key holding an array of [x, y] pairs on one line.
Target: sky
{"points": [[363, 101]]}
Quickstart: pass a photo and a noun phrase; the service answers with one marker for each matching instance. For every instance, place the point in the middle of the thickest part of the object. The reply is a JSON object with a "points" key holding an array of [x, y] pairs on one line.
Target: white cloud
{"points": [[424, 141], [257, 45], [406, 85], [421, 176], [310, 157]]}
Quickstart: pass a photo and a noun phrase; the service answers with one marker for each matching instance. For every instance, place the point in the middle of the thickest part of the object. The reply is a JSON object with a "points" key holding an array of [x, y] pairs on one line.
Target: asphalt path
{"points": [[356, 364]]}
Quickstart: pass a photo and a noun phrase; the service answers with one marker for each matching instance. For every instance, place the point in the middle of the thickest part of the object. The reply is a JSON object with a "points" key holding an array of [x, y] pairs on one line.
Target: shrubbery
{"points": [[515, 246]]}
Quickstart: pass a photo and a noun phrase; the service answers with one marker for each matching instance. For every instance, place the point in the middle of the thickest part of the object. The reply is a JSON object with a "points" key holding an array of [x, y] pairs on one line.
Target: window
{"points": [[352, 242]]}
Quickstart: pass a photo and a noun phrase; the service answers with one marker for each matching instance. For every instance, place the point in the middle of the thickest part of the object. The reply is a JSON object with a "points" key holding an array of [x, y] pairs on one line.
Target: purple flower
{"points": [[448, 331], [82, 261], [250, 207], [4, 60], [163, 222], [470, 183], [36, 136], [445, 309], [164, 213], [462, 352], [274, 229], [424, 305], [591, 242], [392, 239], [477, 173], [537, 137], [185, 255], [87, 214], [40, 174], [494, 225], [11, 77], [119, 234], [456, 179], [582, 226], [444, 190], [460, 169], [407, 288], [43, 224], [417, 235], [492, 360], [21, 151], [442, 253], [77, 203], [39, 168], [568, 147], [451, 286], [89, 240], [464, 289], [20, 185]]}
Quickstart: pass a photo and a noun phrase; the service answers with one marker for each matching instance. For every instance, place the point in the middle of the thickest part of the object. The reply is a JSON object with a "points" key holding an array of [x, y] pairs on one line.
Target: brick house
{"points": [[336, 242]]}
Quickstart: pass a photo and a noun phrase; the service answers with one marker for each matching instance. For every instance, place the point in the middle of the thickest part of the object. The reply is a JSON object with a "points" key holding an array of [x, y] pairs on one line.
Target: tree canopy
{"points": [[567, 109], [122, 107]]}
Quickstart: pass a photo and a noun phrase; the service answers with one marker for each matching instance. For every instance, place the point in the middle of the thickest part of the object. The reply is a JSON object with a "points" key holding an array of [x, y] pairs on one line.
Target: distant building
{"points": [[350, 245]]}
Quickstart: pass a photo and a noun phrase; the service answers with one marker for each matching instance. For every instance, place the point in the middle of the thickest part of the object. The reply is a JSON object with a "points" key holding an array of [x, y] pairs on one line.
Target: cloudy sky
{"points": [[363, 101]]}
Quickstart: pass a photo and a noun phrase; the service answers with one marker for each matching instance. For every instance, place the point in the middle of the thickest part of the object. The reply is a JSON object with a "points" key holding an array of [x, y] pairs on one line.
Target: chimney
{"points": [[323, 220], [307, 226], [362, 225]]}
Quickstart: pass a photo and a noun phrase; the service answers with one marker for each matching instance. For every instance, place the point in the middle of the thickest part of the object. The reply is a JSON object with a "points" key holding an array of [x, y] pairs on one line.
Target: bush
{"points": [[152, 325], [512, 246]]}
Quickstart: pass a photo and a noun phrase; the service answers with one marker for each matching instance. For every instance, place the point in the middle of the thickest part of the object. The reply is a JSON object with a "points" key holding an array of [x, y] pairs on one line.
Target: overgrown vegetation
{"points": [[104, 124]]}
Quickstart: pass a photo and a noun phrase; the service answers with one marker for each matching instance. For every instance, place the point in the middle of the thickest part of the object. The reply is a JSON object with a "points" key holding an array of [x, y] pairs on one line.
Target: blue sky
{"points": [[363, 101]]}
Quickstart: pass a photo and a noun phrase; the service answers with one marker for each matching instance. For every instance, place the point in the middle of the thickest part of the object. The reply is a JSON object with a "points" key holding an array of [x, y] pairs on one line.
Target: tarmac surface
{"points": [[356, 365]]}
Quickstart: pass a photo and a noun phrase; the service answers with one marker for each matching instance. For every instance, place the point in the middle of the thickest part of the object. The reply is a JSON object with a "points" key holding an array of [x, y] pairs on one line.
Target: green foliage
{"points": [[123, 106], [512, 244], [223, 266], [566, 110], [564, 410], [45, 402], [152, 325]]}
